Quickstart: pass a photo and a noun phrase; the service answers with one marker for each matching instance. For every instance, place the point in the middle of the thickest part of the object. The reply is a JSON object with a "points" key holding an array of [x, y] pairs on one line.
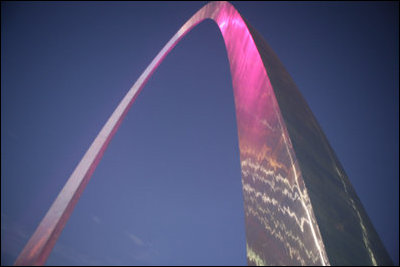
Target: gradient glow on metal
{"points": [[280, 224]]}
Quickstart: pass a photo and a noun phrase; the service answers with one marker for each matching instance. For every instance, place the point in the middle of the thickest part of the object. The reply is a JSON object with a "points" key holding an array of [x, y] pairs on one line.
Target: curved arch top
{"points": [[258, 120], [281, 227]]}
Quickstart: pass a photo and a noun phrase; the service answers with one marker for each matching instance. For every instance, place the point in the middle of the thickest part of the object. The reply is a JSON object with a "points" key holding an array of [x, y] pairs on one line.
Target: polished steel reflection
{"points": [[264, 147], [281, 227]]}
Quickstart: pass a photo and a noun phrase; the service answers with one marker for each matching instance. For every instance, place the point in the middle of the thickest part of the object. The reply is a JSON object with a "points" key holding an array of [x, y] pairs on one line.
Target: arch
{"points": [[270, 172]]}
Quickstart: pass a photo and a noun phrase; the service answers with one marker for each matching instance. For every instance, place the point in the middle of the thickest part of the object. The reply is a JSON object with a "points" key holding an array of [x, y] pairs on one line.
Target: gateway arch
{"points": [[295, 190]]}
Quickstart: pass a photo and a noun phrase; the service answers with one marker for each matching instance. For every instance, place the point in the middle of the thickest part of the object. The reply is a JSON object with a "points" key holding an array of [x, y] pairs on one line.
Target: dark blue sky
{"points": [[168, 188]]}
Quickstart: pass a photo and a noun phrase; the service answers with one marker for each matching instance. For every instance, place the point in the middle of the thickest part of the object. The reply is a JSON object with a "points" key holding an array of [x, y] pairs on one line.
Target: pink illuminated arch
{"points": [[275, 233]]}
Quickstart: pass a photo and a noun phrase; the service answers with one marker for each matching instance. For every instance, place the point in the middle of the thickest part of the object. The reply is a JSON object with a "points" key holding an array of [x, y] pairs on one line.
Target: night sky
{"points": [[168, 189]]}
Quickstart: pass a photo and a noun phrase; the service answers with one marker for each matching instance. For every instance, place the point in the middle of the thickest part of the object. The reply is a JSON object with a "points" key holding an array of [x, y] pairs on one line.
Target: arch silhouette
{"points": [[254, 103], [281, 226]]}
